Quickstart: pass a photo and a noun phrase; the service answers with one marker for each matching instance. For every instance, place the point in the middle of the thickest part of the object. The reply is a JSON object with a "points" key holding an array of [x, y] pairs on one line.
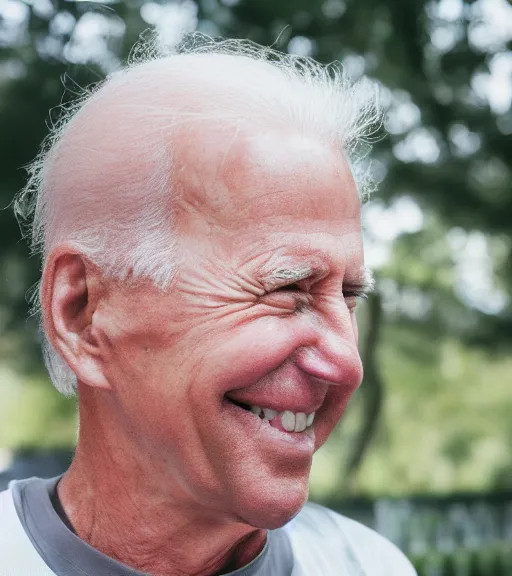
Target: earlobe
{"points": [[70, 292]]}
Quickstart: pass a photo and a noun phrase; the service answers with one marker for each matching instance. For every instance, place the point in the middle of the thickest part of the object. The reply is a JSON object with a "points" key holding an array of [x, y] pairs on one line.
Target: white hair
{"points": [[133, 237]]}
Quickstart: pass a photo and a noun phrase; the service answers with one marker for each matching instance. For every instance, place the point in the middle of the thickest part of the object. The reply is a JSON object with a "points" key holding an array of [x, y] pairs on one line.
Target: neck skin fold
{"points": [[120, 503]]}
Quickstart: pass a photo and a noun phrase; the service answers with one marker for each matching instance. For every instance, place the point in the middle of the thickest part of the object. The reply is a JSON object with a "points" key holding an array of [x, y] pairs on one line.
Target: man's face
{"points": [[232, 329]]}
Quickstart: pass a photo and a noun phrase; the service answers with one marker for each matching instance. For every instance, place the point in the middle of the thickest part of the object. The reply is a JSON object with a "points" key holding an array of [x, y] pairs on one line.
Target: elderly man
{"points": [[202, 255]]}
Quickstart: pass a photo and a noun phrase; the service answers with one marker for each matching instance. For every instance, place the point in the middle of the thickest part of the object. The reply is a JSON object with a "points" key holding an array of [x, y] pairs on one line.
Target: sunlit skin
{"points": [[167, 478]]}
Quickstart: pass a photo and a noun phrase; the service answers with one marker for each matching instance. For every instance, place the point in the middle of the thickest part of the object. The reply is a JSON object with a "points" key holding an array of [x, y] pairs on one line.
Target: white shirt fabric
{"points": [[323, 543]]}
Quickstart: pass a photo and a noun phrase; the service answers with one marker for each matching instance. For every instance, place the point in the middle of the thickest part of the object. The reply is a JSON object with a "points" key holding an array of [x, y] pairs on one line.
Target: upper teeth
{"points": [[291, 421]]}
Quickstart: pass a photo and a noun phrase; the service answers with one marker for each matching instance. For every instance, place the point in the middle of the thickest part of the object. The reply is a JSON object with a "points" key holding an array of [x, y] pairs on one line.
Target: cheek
{"points": [[355, 327], [250, 352], [140, 358]]}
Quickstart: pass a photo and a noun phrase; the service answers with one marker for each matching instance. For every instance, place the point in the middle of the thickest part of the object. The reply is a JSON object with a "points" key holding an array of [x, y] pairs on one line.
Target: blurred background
{"points": [[424, 453]]}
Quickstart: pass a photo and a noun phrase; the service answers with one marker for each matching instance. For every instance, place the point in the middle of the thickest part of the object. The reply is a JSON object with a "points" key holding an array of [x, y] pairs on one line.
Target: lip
{"points": [[273, 405], [301, 444], [289, 389]]}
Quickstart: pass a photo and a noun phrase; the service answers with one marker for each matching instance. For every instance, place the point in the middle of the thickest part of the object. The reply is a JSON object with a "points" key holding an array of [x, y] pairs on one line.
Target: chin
{"points": [[270, 509]]}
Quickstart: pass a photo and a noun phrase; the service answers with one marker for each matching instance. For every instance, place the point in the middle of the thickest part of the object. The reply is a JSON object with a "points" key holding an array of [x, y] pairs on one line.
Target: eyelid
{"points": [[348, 292], [292, 287], [282, 296], [355, 291]]}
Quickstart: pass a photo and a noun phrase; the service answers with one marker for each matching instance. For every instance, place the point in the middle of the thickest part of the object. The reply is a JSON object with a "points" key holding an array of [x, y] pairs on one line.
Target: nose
{"points": [[332, 354]]}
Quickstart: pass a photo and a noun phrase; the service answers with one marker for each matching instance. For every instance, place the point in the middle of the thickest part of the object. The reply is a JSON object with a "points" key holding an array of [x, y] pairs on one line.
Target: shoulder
{"points": [[8, 515], [344, 542], [16, 550]]}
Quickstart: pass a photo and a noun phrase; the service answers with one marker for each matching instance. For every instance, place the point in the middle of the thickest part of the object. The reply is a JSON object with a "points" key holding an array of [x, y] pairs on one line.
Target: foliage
{"points": [[33, 415], [494, 560], [449, 567]]}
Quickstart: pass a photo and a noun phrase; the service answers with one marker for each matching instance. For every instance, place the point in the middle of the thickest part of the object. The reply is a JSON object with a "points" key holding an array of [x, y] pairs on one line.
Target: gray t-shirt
{"points": [[35, 541], [67, 555]]}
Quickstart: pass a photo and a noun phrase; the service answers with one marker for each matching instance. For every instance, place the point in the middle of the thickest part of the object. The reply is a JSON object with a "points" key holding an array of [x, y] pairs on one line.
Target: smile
{"points": [[286, 420], [271, 433]]}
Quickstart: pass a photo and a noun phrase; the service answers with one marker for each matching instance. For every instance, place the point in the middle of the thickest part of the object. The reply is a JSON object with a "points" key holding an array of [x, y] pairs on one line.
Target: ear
{"points": [[71, 290]]}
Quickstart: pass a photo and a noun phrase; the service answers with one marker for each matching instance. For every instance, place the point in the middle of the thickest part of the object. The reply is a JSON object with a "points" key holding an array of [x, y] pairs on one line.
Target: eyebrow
{"points": [[291, 273], [364, 284]]}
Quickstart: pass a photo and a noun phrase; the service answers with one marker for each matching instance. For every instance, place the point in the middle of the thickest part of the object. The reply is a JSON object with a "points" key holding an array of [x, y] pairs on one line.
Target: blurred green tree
{"points": [[475, 565], [449, 566]]}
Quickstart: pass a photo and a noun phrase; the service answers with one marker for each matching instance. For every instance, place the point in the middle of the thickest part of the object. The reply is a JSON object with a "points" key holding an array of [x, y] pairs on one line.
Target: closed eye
{"points": [[349, 292], [355, 293], [289, 288], [287, 298]]}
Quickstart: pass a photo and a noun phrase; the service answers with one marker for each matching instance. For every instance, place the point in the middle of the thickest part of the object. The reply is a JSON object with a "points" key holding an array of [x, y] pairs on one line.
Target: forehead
{"points": [[269, 199], [257, 177]]}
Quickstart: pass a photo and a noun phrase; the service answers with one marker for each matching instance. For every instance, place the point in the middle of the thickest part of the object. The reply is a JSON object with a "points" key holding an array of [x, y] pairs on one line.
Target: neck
{"points": [[122, 505]]}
